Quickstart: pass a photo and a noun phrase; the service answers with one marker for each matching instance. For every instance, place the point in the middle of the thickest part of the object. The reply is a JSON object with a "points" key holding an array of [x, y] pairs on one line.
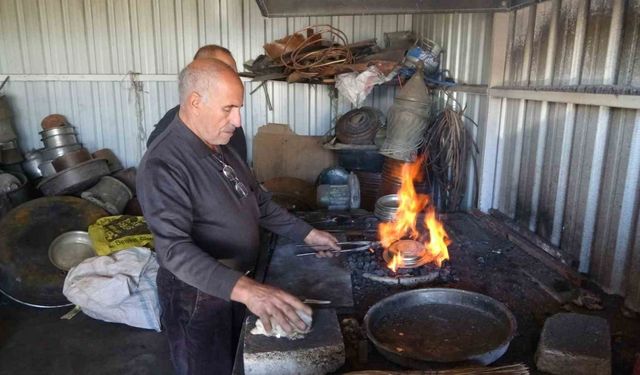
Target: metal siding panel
{"points": [[611, 193], [599, 21], [629, 72], [551, 170]]}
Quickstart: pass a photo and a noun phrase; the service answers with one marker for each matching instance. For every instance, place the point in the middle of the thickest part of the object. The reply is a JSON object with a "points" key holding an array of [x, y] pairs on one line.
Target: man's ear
{"points": [[194, 101]]}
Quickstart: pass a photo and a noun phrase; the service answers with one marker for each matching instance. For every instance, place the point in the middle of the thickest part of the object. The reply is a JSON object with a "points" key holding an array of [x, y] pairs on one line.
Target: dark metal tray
{"points": [[420, 326]]}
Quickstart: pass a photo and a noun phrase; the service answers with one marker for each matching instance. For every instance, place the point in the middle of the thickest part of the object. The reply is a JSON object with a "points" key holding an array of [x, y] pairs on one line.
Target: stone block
{"points": [[575, 344], [321, 351]]}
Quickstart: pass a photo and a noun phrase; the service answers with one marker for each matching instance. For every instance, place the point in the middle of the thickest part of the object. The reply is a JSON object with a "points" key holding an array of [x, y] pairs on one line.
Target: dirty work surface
{"points": [[325, 332], [309, 277], [35, 341], [483, 261]]}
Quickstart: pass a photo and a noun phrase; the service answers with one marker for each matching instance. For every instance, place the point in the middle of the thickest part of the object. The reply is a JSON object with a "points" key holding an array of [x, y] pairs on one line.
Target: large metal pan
{"points": [[422, 326]]}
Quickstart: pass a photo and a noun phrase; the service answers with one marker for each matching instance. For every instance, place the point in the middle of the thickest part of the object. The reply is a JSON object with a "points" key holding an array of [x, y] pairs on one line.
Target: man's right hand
{"points": [[270, 302]]}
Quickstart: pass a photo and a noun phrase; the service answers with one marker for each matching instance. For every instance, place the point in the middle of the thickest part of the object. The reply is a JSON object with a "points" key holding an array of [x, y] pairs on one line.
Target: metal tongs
{"points": [[352, 246]]}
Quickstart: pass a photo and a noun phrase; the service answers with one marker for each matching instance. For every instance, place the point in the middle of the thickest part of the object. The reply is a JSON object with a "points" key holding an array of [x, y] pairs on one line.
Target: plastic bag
{"points": [[119, 288], [113, 233]]}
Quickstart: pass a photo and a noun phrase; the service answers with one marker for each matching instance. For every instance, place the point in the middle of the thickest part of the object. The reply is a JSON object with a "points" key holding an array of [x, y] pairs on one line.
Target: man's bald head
{"points": [[213, 51], [203, 75], [211, 95]]}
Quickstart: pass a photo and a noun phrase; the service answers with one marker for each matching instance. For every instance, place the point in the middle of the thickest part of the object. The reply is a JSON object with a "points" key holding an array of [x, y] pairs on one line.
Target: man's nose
{"points": [[235, 119]]}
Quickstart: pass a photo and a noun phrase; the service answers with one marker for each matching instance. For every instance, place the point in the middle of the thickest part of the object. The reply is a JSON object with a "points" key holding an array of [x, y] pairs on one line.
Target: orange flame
{"points": [[410, 204]]}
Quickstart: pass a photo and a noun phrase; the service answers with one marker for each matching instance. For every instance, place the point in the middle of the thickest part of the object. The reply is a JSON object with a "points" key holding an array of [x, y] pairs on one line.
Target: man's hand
{"points": [[270, 302], [323, 241]]}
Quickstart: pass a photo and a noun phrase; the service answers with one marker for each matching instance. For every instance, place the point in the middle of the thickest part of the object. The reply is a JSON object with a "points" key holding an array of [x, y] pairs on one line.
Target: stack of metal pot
{"points": [[59, 138], [13, 184]]}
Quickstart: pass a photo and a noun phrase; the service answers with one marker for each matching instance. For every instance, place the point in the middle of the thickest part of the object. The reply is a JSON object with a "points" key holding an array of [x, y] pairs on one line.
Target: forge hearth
{"points": [[373, 265], [412, 253]]}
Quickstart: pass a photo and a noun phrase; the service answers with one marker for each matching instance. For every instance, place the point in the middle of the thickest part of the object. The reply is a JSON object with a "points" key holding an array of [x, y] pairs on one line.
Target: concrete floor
{"points": [[37, 341]]}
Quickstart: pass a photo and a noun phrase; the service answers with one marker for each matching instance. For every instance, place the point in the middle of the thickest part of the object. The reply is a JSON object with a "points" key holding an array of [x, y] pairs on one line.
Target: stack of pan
{"points": [[386, 207]]}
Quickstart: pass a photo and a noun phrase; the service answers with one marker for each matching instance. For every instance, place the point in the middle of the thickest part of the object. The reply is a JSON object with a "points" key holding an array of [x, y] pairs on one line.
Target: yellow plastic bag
{"points": [[113, 233]]}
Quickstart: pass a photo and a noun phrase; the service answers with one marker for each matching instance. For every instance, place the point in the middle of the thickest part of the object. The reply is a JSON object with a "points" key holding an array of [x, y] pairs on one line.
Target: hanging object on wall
{"points": [[407, 121]]}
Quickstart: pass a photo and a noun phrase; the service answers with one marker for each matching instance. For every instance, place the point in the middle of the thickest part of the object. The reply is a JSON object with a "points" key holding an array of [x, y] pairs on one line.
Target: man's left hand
{"points": [[324, 242]]}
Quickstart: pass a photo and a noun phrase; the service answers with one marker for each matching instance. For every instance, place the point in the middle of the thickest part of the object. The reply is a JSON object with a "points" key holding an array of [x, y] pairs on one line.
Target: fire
{"points": [[410, 204]]}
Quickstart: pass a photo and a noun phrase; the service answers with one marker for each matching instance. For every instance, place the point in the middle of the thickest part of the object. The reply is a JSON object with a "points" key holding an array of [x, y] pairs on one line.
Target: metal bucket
{"points": [[110, 194]]}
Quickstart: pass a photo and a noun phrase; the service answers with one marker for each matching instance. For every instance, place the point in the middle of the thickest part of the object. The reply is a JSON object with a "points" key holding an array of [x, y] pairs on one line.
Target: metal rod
{"points": [[362, 248]]}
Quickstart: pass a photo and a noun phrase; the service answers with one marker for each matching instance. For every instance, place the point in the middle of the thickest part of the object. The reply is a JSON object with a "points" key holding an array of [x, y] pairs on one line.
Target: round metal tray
{"points": [[69, 249], [422, 326], [75, 179]]}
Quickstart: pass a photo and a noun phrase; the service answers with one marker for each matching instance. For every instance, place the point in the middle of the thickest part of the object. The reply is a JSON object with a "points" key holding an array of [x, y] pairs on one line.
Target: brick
{"points": [[321, 351], [575, 344]]}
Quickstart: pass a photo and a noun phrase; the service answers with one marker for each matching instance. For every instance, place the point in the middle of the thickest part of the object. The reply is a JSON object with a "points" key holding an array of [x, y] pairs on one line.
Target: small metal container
{"points": [[70, 159], [59, 137], [69, 249], [110, 194], [56, 152]]}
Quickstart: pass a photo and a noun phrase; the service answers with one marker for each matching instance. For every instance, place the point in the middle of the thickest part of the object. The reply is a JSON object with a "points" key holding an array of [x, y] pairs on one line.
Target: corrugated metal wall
{"points": [[77, 58], [570, 172], [466, 43]]}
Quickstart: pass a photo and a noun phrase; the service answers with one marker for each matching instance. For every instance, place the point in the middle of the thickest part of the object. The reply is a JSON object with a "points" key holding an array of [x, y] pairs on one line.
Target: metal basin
{"points": [[422, 326], [69, 249]]}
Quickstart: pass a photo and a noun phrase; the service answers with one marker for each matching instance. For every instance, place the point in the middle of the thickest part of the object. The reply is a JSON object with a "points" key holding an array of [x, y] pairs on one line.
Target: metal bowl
{"points": [[418, 327], [69, 249]]}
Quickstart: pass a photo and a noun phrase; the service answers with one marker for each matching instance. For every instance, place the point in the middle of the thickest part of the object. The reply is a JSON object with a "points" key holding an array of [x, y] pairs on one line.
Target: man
{"points": [[211, 51], [204, 208]]}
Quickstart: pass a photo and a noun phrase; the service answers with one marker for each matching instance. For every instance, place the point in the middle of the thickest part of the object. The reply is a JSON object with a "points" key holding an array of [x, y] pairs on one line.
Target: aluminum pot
{"points": [[52, 153], [110, 194], [70, 159], [60, 130], [58, 137]]}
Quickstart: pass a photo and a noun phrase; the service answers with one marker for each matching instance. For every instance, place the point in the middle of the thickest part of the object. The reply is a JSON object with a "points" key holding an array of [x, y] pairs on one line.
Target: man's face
{"points": [[219, 112]]}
